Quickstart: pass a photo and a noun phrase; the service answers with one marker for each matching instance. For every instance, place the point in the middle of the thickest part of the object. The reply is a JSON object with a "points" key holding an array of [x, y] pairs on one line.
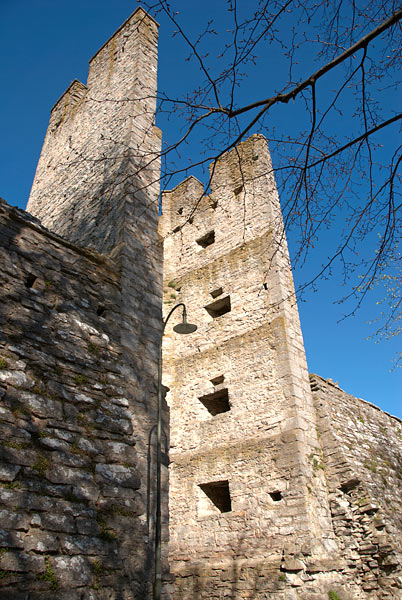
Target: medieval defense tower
{"points": [[243, 490], [282, 486]]}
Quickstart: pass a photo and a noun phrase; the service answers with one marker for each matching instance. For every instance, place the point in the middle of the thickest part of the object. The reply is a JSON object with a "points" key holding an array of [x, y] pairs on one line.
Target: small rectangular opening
{"points": [[218, 380], [217, 402], [217, 292], [30, 280], [218, 494], [206, 240], [219, 307]]}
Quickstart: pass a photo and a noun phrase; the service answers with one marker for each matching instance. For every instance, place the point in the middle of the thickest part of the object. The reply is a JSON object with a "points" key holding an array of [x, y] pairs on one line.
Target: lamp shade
{"points": [[184, 327]]}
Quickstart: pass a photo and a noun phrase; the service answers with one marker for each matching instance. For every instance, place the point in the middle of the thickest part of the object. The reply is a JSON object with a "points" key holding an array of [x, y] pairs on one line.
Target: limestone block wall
{"points": [[362, 462], [74, 424], [99, 157], [245, 500], [97, 185]]}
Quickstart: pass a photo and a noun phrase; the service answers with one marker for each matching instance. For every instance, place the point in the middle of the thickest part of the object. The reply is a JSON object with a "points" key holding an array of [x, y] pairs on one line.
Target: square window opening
{"points": [[217, 292], [217, 402], [218, 495], [219, 307], [217, 380], [276, 496], [30, 280], [206, 240]]}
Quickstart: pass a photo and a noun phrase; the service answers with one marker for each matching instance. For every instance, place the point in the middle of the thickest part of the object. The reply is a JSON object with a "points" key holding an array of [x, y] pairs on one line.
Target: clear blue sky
{"points": [[44, 45]]}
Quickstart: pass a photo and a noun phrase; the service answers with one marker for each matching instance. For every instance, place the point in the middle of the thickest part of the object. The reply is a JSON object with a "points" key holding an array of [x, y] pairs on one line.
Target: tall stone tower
{"points": [[99, 170], [247, 496], [97, 185]]}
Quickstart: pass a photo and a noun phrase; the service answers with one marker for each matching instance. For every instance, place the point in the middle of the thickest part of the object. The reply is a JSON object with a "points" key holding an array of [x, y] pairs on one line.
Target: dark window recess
{"points": [[101, 311], [217, 292], [219, 307], [218, 380], [206, 240], [265, 286], [276, 496], [350, 485], [238, 190], [219, 495], [30, 280], [217, 402]]}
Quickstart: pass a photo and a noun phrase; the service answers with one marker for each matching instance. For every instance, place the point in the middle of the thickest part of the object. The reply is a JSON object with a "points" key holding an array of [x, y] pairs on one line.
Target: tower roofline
{"points": [[72, 84], [139, 9], [182, 183]]}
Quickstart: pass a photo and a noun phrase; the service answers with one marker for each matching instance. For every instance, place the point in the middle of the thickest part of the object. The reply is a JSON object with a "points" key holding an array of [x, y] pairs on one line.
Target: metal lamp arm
{"points": [[169, 315]]}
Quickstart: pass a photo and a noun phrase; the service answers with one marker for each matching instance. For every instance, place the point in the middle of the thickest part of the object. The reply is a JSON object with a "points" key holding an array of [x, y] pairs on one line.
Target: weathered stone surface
{"points": [[11, 539], [72, 571], [87, 492], [293, 565], [61, 474], [87, 526], [57, 522], [42, 407], [116, 451], [22, 562], [80, 544], [40, 541], [117, 475], [8, 472], [14, 520]]}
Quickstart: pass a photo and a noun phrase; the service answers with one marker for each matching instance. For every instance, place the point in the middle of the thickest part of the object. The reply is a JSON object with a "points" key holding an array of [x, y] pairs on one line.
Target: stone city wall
{"points": [[73, 473], [362, 462]]}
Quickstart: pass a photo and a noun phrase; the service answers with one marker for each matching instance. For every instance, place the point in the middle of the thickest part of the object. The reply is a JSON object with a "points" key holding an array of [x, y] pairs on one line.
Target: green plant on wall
{"points": [[49, 576], [41, 465]]}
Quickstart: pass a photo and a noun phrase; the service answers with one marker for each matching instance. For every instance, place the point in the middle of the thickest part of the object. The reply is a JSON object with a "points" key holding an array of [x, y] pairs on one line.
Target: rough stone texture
{"points": [[72, 423], [243, 418], [362, 457], [82, 330], [263, 445], [279, 489], [98, 159]]}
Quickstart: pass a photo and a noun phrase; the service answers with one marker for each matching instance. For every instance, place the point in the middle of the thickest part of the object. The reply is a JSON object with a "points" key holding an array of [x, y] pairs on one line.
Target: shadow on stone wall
{"points": [[73, 466]]}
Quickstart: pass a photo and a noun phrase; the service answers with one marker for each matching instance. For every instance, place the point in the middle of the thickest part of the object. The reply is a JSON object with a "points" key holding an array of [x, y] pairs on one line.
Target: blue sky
{"points": [[45, 45]]}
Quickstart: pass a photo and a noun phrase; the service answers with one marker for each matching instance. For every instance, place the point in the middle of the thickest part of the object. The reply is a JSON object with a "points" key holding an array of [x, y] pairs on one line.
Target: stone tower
{"points": [[99, 170], [279, 489], [97, 185], [246, 495]]}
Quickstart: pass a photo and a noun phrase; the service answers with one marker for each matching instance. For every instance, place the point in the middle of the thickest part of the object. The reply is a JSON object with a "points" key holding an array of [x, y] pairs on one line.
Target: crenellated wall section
{"points": [[281, 487]]}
